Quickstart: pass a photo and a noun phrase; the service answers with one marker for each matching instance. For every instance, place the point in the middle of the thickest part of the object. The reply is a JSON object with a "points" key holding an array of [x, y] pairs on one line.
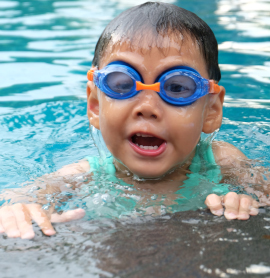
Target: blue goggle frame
{"points": [[203, 86]]}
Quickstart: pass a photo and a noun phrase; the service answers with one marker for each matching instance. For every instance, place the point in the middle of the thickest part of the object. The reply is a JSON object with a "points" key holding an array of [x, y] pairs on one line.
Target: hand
{"points": [[237, 206], [16, 220]]}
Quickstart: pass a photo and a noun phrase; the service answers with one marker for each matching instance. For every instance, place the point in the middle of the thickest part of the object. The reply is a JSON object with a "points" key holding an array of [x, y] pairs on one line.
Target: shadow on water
{"points": [[187, 244]]}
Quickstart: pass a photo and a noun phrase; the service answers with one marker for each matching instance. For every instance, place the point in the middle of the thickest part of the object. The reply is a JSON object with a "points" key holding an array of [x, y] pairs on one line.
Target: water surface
{"points": [[46, 48]]}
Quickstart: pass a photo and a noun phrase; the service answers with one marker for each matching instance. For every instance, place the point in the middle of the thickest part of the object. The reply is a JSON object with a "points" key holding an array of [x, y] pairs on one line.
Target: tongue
{"points": [[147, 141]]}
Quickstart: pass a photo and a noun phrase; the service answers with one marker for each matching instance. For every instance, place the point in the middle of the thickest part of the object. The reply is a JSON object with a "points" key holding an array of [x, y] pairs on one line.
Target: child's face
{"points": [[147, 114]]}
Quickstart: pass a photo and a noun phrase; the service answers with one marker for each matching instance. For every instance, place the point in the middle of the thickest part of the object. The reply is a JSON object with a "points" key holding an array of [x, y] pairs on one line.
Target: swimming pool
{"points": [[46, 48]]}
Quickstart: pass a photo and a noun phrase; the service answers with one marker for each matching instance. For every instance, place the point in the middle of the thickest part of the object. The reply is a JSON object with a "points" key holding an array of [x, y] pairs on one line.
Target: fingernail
{"points": [[230, 215], [243, 216], [254, 211], [218, 212], [28, 235], [14, 234], [80, 212], [49, 232]]}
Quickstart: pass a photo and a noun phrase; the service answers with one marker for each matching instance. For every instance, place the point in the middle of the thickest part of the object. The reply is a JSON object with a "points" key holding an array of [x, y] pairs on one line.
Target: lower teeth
{"points": [[147, 147]]}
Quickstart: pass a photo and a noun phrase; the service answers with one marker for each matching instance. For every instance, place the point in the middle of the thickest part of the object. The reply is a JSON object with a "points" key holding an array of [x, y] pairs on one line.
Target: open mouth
{"points": [[145, 144]]}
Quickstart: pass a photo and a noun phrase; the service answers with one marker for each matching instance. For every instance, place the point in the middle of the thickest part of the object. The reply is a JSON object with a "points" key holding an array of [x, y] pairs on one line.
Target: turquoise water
{"points": [[46, 48]]}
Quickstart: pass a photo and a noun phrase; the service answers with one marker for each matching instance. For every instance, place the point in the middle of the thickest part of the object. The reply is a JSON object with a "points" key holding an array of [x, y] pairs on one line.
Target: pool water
{"points": [[46, 48]]}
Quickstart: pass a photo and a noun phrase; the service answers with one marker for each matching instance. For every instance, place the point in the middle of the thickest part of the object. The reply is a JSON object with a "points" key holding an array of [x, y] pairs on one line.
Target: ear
{"points": [[213, 117], [92, 104]]}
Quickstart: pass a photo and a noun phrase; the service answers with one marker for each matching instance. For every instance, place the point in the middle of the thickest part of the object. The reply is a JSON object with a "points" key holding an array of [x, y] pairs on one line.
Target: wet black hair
{"points": [[152, 19]]}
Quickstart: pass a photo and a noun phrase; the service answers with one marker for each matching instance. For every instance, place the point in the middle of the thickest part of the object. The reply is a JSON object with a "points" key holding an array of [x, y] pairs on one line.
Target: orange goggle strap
{"points": [[213, 87], [90, 75]]}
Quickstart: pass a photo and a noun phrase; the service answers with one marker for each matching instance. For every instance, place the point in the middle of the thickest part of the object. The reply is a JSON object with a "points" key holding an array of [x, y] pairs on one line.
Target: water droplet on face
{"points": [[48, 197], [46, 207], [80, 178], [33, 188]]}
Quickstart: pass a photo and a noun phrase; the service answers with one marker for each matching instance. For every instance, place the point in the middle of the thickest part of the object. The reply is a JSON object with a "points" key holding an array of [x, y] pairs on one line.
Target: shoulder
{"points": [[75, 168], [227, 154]]}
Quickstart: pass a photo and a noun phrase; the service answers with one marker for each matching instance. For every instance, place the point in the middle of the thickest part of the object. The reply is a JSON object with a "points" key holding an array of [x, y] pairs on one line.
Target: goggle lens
{"points": [[119, 82], [179, 86], [176, 86]]}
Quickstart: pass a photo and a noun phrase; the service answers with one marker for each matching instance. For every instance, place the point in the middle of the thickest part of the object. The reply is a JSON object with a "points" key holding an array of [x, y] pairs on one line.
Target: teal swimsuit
{"points": [[203, 180]]}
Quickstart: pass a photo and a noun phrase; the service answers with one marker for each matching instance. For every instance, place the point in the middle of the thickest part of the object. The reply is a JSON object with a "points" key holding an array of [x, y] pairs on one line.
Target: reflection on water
{"points": [[244, 51], [247, 42], [194, 244], [246, 17], [46, 47]]}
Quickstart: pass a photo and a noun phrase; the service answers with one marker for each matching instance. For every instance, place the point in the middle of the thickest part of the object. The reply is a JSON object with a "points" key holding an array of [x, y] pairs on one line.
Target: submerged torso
{"points": [[141, 196]]}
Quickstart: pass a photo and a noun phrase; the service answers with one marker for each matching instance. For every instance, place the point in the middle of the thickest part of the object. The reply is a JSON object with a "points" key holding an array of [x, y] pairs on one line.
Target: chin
{"points": [[149, 174]]}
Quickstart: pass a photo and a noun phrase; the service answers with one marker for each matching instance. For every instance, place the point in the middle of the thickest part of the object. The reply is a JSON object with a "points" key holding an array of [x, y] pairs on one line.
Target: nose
{"points": [[148, 105]]}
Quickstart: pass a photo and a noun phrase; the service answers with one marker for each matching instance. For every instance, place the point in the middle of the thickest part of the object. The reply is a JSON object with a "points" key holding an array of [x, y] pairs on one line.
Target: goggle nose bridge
{"points": [[140, 86]]}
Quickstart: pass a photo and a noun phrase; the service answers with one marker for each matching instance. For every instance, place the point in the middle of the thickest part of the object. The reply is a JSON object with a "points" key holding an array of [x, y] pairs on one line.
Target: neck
{"points": [[168, 183]]}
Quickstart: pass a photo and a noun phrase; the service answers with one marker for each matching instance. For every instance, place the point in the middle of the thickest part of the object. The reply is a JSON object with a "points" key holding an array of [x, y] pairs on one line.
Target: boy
{"points": [[152, 90]]}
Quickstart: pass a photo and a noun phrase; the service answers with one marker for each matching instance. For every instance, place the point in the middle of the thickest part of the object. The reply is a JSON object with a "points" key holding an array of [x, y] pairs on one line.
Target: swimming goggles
{"points": [[177, 86]]}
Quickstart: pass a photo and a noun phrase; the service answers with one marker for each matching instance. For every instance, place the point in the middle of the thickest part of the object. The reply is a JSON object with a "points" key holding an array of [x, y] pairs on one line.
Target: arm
{"points": [[16, 219]]}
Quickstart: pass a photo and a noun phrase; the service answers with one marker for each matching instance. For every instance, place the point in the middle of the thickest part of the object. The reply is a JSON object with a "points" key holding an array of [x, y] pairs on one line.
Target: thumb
{"points": [[67, 216]]}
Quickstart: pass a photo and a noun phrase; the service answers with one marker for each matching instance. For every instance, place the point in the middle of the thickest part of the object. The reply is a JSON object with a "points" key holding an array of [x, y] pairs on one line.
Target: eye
{"points": [[119, 82], [180, 86]]}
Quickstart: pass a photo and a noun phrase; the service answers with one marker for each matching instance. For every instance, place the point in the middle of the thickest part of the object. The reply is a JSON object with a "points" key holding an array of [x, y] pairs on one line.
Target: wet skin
{"points": [[179, 127], [147, 113]]}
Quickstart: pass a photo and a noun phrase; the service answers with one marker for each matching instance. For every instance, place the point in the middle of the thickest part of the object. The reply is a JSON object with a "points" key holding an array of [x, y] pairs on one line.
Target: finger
{"points": [[9, 222], [244, 207], [231, 203], [40, 217], [68, 215], [214, 203], [254, 210], [23, 221]]}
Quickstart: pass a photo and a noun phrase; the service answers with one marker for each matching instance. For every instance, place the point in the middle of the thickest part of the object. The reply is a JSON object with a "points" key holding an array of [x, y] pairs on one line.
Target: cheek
{"points": [[108, 125], [188, 133], [108, 132], [114, 113], [188, 125], [111, 122], [107, 113]]}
